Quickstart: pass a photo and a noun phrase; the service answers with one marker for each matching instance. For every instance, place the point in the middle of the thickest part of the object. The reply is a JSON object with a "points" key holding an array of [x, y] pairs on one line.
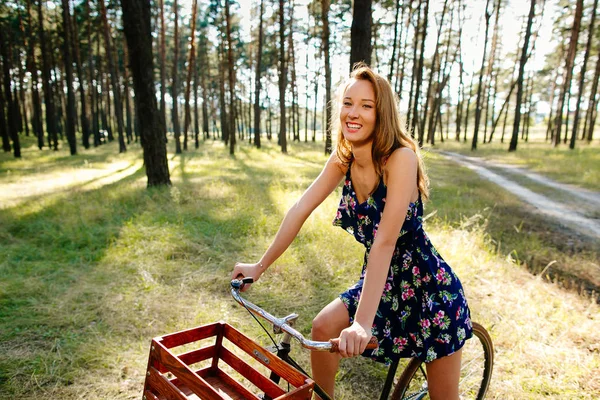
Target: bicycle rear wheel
{"points": [[477, 362]]}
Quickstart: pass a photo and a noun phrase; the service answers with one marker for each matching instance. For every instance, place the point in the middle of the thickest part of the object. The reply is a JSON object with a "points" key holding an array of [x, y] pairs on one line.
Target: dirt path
{"points": [[554, 208]]}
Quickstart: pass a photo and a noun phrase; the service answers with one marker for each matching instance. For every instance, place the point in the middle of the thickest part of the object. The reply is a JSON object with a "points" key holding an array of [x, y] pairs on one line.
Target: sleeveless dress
{"points": [[423, 311]]}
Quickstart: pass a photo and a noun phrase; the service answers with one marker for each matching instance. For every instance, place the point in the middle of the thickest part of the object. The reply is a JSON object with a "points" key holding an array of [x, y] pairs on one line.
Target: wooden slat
{"points": [[162, 385], [150, 396], [197, 384], [230, 382], [190, 335], [246, 370], [194, 356], [275, 364], [303, 392]]}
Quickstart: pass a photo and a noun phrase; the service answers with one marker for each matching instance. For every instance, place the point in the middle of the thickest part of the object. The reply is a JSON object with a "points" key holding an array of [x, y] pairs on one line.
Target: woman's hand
{"points": [[354, 340], [253, 271]]}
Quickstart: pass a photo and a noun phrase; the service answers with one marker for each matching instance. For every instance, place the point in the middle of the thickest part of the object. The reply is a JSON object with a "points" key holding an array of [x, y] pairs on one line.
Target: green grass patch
{"points": [[91, 272]]}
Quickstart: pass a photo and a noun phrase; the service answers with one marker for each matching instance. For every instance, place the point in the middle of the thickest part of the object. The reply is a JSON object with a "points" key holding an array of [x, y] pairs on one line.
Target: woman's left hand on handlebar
{"points": [[353, 340], [245, 270]]}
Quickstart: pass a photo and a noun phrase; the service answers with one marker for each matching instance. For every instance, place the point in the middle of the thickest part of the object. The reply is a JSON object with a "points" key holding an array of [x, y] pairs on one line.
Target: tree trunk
{"points": [[517, 117], [433, 72], [231, 69], [85, 122], [360, 32], [325, 16], [175, 81], [593, 103], [568, 70], [51, 127], [128, 122], [257, 76], [71, 117], [420, 72], [282, 79], [204, 68], [136, 24], [490, 71], [488, 15], [394, 44], [411, 124], [163, 67], [404, 44], [188, 87], [38, 129], [114, 77], [588, 48], [8, 96]]}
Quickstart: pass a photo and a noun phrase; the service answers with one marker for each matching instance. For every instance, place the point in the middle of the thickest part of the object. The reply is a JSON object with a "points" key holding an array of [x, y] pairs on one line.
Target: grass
{"points": [[92, 271]]}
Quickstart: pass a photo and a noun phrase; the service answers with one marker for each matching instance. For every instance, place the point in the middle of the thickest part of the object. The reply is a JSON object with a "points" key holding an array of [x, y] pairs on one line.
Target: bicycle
{"points": [[411, 384], [182, 366]]}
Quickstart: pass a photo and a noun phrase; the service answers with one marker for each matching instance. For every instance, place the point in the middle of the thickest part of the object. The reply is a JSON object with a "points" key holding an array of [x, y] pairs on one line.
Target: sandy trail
{"points": [[553, 208]]}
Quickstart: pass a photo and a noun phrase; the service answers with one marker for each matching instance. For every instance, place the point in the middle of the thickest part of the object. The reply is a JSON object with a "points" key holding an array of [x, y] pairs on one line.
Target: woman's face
{"points": [[358, 115]]}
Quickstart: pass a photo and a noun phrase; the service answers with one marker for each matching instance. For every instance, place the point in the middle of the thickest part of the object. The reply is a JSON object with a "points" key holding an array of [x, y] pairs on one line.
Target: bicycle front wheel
{"points": [[477, 362]]}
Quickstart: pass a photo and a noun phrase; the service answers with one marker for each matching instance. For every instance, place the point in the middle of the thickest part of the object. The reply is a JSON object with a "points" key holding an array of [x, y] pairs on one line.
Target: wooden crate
{"points": [[170, 376]]}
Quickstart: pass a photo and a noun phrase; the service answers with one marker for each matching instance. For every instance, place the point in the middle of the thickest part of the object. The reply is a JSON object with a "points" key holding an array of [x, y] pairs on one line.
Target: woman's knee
{"points": [[330, 321]]}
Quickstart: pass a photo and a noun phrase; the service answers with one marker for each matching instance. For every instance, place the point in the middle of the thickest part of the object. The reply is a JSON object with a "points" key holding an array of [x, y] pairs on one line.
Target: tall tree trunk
{"points": [[188, 86], [517, 117], [204, 70], [488, 15], [432, 73], [8, 96], [282, 79], [325, 4], [114, 77], [175, 81], [90, 74], [136, 24], [404, 46], [128, 122], [85, 123], [593, 103], [257, 77], [32, 67], [231, 69], [394, 44], [411, 124], [420, 72], [51, 127], [588, 48], [71, 117], [568, 70], [490, 71], [360, 33], [225, 129], [163, 67]]}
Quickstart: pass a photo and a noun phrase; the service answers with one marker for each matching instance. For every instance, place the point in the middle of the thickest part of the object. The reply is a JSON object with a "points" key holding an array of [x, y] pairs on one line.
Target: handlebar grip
{"points": [[372, 345]]}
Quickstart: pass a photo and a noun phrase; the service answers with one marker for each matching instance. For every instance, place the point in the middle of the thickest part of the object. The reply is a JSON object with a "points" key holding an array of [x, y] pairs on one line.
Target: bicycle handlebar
{"points": [[284, 324]]}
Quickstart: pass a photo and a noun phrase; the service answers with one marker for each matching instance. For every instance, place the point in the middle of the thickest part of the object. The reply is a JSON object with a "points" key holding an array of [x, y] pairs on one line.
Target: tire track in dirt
{"points": [[545, 205]]}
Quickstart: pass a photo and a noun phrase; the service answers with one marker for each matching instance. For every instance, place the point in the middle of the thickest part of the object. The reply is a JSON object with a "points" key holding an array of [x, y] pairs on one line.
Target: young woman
{"points": [[407, 296]]}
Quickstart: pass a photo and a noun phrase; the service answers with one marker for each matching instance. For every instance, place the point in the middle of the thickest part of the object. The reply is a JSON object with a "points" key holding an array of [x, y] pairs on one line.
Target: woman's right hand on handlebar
{"points": [[245, 270]]}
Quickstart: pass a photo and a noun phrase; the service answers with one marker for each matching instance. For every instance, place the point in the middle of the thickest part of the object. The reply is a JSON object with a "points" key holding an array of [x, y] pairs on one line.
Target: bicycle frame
{"points": [[284, 325]]}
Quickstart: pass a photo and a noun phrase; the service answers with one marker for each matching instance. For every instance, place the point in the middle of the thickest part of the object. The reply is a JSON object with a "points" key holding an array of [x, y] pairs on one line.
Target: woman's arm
{"points": [[324, 184], [401, 172]]}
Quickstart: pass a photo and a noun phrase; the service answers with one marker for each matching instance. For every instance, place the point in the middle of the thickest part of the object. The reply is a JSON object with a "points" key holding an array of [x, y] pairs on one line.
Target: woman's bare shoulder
{"points": [[335, 161]]}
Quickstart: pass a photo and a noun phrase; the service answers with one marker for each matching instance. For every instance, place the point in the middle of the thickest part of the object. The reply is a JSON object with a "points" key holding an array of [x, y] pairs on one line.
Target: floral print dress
{"points": [[423, 311]]}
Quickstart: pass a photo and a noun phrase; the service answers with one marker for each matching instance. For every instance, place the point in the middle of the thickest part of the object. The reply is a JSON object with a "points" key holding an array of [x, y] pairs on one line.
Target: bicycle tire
{"points": [[476, 373]]}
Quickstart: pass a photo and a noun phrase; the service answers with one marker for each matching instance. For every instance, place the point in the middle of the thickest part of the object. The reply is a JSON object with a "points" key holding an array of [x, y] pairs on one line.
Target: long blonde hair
{"points": [[390, 130]]}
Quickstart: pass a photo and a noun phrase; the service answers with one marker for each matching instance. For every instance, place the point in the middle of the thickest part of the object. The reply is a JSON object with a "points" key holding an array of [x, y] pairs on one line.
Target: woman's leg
{"points": [[443, 375], [328, 324]]}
